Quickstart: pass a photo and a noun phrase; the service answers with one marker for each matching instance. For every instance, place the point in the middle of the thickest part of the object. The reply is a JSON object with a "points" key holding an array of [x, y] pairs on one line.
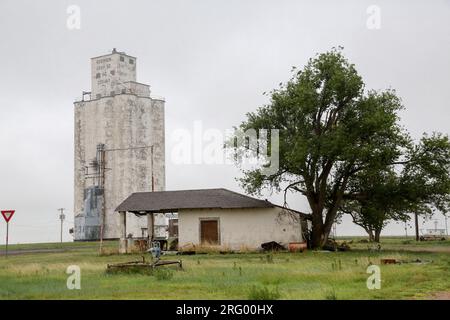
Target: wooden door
{"points": [[173, 228], [209, 232]]}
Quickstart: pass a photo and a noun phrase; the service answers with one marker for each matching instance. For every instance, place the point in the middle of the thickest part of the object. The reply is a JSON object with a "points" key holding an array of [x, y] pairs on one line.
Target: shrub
{"points": [[163, 274], [331, 295], [264, 293], [108, 252], [130, 270]]}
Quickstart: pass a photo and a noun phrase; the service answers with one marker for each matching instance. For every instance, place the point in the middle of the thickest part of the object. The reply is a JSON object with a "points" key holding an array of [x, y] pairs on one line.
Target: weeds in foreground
{"points": [[336, 266], [105, 252], [130, 270], [331, 295], [264, 293], [163, 274]]}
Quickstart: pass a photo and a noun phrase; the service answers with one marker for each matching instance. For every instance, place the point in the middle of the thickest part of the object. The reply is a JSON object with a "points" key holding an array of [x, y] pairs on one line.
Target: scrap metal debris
{"points": [[398, 261], [143, 264], [155, 252], [333, 245], [272, 246]]}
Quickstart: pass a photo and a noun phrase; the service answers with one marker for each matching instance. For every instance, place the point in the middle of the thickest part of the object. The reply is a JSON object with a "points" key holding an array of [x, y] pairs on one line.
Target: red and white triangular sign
{"points": [[7, 214]]}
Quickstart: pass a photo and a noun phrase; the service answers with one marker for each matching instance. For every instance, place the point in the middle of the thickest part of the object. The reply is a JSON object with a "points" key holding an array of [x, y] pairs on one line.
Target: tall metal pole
{"points": [[61, 217], [153, 176], [101, 163], [406, 230], [7, 234], [152, 236]]}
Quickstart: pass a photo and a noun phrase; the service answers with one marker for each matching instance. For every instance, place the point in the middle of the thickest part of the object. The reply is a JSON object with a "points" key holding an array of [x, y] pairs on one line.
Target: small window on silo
{"points": [[97, 75], [122, 58], [131, 61]]}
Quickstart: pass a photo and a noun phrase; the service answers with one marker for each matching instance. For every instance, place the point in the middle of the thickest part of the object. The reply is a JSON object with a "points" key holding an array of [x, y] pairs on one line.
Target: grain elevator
{"points": [[119, 147]]}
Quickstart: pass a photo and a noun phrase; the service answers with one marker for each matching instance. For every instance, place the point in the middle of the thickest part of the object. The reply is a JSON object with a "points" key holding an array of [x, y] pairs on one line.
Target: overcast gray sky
{"points": [[211, 60]]}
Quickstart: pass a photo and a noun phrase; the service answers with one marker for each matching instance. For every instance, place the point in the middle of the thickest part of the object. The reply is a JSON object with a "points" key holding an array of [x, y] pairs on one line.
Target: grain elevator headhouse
{"points": [[119, 147]]}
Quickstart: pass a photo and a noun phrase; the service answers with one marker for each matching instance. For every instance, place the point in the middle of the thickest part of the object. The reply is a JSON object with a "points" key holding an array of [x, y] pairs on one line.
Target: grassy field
{"points": [[308, 275]]}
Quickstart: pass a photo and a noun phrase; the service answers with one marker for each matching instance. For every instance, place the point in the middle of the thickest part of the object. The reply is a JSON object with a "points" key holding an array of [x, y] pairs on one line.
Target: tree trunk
{"points": [[377, 235], [317, 235], [416, 220], [317, 229], [326, 230], [370, 233]]}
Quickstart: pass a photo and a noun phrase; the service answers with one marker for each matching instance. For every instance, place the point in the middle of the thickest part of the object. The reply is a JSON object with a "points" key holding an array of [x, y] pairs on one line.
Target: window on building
{"points": [[122, 58], [98, 95], [97, 75], [131, 61], [113, 72]]}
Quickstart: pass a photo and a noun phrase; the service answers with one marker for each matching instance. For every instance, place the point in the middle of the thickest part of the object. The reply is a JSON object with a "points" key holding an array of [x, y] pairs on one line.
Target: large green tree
{"points": [[426, 177], [379, 200], [330, 129], [418, 184]]}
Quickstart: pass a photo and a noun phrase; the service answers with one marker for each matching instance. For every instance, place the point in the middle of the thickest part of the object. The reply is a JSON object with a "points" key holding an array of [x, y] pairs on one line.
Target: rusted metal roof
{"points": [[172, 201]]}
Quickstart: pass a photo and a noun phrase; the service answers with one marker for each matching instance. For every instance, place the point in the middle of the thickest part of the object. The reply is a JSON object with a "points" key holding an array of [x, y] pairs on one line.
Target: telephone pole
{"points": [[62, 216], [406, 230]]}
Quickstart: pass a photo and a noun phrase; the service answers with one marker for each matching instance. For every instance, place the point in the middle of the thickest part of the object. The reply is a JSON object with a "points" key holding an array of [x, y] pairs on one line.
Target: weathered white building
{"points": [[215, 217], [119, 147], [237, 228]]}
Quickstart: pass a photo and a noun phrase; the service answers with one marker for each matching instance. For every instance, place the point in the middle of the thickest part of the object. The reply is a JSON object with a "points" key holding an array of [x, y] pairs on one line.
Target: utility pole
{"points": [[61, 217], [406, 230]]}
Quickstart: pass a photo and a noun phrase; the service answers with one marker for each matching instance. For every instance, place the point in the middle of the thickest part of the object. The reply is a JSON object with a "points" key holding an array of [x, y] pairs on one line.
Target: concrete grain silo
{"points": [[119, 147]]}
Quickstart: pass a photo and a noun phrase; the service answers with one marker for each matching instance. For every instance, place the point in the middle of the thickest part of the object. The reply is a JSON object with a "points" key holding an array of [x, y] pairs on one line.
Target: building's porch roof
{"points": [[142, 203], [173, 201]]}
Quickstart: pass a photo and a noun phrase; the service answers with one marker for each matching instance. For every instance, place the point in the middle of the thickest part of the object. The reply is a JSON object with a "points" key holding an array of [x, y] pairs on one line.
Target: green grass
{"points": [[401, 243], [308, 275], [58, 245]]}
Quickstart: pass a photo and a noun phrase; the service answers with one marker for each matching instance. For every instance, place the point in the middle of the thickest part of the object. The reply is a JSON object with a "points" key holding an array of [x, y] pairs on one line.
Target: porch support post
{"points": [[150, 227], [123, 232]]}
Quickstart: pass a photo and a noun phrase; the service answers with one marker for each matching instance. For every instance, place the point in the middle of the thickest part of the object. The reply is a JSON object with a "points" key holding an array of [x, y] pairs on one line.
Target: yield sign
{"points": [[7, 214]]}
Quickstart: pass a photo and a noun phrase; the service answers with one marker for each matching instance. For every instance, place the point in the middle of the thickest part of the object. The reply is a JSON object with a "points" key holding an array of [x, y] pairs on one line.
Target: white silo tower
{"points": [[119, 147]]}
